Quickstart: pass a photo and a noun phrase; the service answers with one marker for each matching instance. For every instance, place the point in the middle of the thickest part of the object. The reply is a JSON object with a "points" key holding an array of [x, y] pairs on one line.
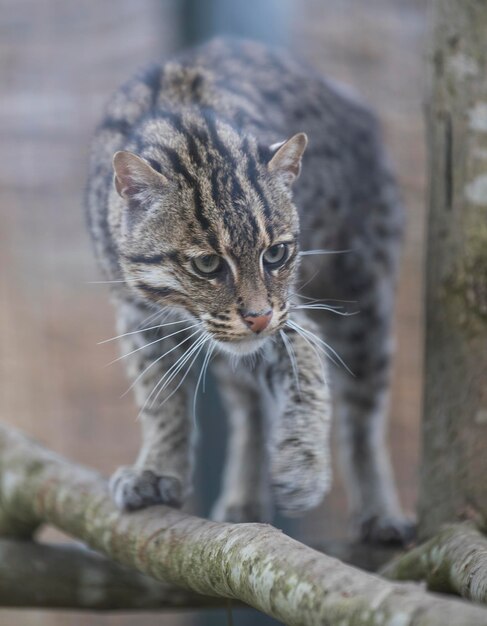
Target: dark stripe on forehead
{"points": [[213, 241], [253, 174], [199, 206], [264, 154], [235, 215], [193, 149], [230, 181], [215, 190], [201, 134], [177, 165], [177, 122], [218, 143], [154, 164], [179, 168]]}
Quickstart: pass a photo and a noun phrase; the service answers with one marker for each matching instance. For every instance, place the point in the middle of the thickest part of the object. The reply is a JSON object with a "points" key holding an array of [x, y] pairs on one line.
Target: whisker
{"points": [[314, 338], [319, 304], [187, 372], [176, 367], [141, 330], [164, 313], [206, 360], [161, 379], [158, 359], [318, 355], [195, 348], [324, 307], [206, 365], [313, 252], [315, 300], [310, 279], [181, 330]]}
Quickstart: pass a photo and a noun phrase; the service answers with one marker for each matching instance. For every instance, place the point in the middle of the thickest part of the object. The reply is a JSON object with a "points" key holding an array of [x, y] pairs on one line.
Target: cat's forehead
{"points": [[226, 196], [240, 227]]}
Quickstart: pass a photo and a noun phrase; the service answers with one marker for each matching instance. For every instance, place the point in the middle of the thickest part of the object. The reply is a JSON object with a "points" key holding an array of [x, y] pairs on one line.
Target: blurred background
{"points": [[59, 62]]}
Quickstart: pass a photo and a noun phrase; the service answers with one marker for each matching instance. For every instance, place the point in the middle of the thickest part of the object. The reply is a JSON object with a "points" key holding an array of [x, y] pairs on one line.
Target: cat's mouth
{"points": [[244, 346]]}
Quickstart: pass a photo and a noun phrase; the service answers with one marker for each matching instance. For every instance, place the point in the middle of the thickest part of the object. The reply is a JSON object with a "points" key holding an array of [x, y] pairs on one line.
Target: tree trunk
{"points": [[454, 464]]}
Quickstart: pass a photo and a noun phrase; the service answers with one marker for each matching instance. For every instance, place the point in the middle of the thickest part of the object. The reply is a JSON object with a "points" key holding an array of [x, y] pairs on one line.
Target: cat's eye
{"points": [[276, 255], [208, 264]]}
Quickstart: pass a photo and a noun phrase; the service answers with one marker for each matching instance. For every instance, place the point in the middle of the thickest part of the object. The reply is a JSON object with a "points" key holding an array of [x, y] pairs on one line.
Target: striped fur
{"points": [[201, 169]]}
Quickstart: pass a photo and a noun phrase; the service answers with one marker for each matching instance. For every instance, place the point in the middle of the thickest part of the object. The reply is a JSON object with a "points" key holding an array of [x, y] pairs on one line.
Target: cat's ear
{"points": [[287, 158], [134, 178]]}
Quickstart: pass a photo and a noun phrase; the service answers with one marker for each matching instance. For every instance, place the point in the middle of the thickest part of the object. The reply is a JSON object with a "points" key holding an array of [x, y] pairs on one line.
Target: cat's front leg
{"points": [[161, 472], [245, 495], [300, 417]]}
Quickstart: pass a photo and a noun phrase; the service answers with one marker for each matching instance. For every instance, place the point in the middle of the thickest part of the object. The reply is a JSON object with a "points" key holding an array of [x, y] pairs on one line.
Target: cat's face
{"points": [[218, 241]]}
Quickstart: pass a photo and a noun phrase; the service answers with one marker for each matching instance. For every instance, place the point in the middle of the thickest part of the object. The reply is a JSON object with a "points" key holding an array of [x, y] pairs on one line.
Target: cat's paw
{"points": [[240, 512], [134, 489], [300, 482], [387, 530]]}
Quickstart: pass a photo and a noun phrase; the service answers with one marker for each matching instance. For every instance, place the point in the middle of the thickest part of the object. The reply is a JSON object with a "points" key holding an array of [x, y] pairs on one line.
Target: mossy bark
{"points": [[454, 462], [72, 577], [253, 563], [453, 561]]}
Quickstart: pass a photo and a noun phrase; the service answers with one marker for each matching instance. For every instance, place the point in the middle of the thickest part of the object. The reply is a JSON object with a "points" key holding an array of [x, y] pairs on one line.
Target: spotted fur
{"points": [[208, 150]]}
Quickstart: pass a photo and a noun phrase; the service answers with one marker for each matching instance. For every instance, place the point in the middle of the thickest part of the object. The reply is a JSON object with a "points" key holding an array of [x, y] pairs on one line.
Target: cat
{"points": [[218, 247]]}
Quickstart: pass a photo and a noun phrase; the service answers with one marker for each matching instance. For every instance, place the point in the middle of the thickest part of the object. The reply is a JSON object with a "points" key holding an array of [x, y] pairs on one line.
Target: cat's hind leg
{"points": [[361, 405]]}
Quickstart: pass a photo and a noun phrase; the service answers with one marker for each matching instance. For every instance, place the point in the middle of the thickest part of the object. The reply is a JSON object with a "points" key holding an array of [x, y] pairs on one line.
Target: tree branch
{"points": [[454, 561], [72, 577], [254, 563]]}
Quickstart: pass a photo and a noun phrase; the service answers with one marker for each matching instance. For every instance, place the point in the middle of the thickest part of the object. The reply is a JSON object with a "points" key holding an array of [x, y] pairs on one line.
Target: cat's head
{"points": [[212, 229]]}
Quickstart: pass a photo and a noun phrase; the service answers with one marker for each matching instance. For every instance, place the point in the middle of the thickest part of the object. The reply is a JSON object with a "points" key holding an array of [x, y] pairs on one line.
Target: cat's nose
{"points": [[257, 322]]}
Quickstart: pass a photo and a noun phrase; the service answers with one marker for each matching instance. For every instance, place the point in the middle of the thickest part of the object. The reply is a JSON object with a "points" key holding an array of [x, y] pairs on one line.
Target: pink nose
{"points": [[257, 322]]}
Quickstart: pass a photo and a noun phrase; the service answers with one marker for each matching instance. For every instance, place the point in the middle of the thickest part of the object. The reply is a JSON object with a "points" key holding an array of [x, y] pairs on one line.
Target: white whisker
{"points": [[204, 366], [177, 332], [141, 330], [188, 369], [195, 349], [315, 300], [324, 307], [310, 279], [164, 312], [318, 355], [313, 252], [164, 376], [324, 346], [175, 368], [158, 359]]}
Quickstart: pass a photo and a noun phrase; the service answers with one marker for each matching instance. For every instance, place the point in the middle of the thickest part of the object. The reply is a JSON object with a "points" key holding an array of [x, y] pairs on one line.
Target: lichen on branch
{"points": [[454, 561], [253, 563]]}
